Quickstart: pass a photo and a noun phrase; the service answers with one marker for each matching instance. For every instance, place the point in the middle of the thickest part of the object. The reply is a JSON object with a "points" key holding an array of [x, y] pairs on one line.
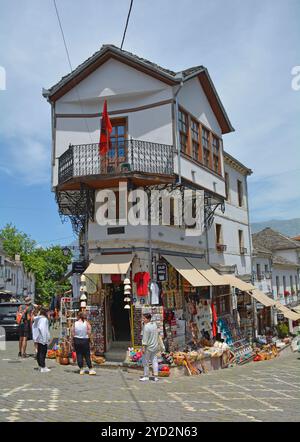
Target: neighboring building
{"points": [[14, 280], [276, 266], [168, 132], [230, 239]]}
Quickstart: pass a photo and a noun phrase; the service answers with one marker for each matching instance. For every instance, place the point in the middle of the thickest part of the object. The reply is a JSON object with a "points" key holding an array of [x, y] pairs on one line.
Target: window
{"points": [[117, 137], [291, 283], [266, 268], [216, 153], [284, 283], [241, 239], [195, 140], [258, 272], [206, 149], [183, 130], [219, 233], [227, 185], [277, 286], [240, 192]]}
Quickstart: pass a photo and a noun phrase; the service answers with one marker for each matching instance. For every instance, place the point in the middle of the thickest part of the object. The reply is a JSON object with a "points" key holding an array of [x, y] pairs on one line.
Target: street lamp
{"points": [[66, 251]]}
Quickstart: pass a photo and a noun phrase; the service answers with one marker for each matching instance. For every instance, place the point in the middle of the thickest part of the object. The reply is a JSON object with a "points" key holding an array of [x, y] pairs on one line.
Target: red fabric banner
{"points": [[106, 128]]}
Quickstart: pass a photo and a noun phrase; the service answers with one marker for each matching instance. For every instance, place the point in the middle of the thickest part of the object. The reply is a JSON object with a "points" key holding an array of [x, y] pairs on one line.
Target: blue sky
{"points": [[249, 47]]}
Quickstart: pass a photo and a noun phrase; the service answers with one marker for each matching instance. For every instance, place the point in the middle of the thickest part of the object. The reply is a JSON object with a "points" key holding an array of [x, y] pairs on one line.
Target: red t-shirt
{"points": [[142, 280]]}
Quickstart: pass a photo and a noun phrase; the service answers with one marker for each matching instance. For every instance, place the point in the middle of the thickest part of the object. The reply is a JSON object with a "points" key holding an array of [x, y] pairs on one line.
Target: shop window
{"points": [[240, 192], [183, 130]]}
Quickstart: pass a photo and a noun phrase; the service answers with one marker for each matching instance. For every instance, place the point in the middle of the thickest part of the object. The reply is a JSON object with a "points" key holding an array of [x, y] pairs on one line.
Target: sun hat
{"points": [[28, 300]]}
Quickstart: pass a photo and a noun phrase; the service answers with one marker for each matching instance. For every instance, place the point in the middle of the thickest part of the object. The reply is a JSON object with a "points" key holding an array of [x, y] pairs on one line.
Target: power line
{"points": [[71, 67], [127, 21]]}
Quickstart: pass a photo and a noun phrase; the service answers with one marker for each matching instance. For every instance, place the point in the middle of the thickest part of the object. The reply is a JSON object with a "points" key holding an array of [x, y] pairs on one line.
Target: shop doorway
{"points": [[120, 317]]}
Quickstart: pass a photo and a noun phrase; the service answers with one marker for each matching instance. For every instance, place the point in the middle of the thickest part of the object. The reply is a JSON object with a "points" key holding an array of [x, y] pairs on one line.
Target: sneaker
{"points": [[82, 372], [144, 379], [155, 379], [45, 370], [92, 372]]}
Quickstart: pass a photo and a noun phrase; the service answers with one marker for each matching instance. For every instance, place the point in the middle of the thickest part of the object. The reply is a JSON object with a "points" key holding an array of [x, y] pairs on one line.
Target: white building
{"points": [[168, 131], [230, 239], [276, 266]]}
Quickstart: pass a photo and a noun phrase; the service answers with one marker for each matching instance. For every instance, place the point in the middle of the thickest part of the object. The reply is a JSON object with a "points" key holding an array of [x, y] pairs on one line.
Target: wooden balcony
{"points": [[133, 158]]}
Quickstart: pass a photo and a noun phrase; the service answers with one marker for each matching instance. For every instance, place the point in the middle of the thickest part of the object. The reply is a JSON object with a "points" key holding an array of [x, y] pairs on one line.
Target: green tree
{"points": [[49, 265], [16, 242]]}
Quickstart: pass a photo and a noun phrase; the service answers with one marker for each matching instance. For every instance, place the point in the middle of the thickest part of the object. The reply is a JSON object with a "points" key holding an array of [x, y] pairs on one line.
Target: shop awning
{"points": [[238, 283], [207, 271], [187, 271], [296, 309], [109, 265], [287, 312], [262, 298]]}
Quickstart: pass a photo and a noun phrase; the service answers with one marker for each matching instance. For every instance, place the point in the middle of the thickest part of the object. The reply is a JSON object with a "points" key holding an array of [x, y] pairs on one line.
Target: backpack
{"points": [[20, 315]]}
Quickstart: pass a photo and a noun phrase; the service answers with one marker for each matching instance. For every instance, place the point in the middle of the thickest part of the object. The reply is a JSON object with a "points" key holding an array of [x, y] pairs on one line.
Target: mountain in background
{"points": [[289, 227]]}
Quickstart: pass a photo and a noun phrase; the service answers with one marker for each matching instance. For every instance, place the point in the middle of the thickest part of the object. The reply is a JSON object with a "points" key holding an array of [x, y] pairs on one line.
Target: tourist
{"points": [[81, 333], [25, 317], [35, 316], [41, 336], [151, 345]]}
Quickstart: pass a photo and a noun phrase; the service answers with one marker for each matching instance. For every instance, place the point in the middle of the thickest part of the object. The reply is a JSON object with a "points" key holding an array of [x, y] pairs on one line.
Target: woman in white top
{"points": [[81, 334], [41, 336]]}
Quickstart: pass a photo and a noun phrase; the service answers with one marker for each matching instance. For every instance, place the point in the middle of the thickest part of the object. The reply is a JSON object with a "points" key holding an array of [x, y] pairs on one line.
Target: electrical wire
{"points": [[127, 21], [71, 67]]}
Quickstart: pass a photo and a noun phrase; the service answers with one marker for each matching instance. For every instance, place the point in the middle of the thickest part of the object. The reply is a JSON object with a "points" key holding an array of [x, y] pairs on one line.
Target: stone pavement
{"points": [[262, 391]]}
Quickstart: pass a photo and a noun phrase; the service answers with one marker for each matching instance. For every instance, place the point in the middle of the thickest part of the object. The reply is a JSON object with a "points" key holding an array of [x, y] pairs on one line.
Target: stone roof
{"points": [[259, 249], [273, 240], [172, 74]]}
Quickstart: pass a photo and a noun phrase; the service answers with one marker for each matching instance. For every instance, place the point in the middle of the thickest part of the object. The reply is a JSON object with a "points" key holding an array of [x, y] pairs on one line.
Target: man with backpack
{"points": [[24, 317]]}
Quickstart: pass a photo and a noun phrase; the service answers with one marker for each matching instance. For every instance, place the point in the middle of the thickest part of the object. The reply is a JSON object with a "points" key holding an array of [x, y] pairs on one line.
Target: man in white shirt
{"points": [[150, 344]]}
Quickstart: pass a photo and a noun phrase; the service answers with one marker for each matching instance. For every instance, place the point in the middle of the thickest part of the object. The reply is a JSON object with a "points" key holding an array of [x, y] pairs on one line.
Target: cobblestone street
{"points": [[263, 391]]}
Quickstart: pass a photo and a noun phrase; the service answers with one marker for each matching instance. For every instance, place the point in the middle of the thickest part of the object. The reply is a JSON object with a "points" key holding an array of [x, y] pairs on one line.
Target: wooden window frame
{"points": [[181, 132], [189, 142], [226, 177], [218, 156], [195, 124]]}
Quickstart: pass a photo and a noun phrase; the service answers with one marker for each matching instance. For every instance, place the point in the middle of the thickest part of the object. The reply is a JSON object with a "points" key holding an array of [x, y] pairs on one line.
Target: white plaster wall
{"points": [[233, 177], [232, 256], [193, 99], [265, 284], [291, 255]]}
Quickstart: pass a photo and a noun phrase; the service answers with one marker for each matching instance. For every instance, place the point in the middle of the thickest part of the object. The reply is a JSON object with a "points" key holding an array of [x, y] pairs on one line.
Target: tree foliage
{"points": [[49, 265]]}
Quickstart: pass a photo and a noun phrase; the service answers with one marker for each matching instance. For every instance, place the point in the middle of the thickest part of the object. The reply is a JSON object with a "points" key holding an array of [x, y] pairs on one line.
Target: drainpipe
{"points": [[251, 264], [176, 129]]}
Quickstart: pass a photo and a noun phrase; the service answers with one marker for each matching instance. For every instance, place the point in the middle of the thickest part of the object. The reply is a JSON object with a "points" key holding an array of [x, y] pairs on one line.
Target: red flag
{"points": [[106, 128]]}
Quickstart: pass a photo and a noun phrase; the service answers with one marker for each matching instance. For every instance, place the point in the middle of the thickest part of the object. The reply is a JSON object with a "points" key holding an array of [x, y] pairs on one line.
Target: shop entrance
{"points": [[119, 316]]}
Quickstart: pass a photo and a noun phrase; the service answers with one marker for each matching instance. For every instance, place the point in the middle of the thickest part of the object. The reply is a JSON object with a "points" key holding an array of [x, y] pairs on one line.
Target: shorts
{"points": [[24, 331]]}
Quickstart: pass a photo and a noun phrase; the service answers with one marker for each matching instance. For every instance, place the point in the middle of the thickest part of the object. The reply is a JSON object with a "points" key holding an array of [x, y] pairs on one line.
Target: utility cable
{"points": [[127, 21], [71, 67]]}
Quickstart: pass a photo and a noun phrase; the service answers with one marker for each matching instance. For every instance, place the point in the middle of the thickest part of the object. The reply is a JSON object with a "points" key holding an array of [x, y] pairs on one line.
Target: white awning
{"points": [[109, 265], [289, 314], [262, 298], [187, 271], [207, 271], [238, 283]]}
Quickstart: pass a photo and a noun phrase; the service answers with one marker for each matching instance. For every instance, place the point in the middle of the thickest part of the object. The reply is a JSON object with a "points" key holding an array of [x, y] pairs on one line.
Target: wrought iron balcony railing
{"points": [[126, 156]]}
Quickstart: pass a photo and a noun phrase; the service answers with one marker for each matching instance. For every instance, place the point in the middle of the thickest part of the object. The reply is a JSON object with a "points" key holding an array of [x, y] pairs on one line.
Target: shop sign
{"points": [[79, 266], [280, 317], [162, 272]]}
